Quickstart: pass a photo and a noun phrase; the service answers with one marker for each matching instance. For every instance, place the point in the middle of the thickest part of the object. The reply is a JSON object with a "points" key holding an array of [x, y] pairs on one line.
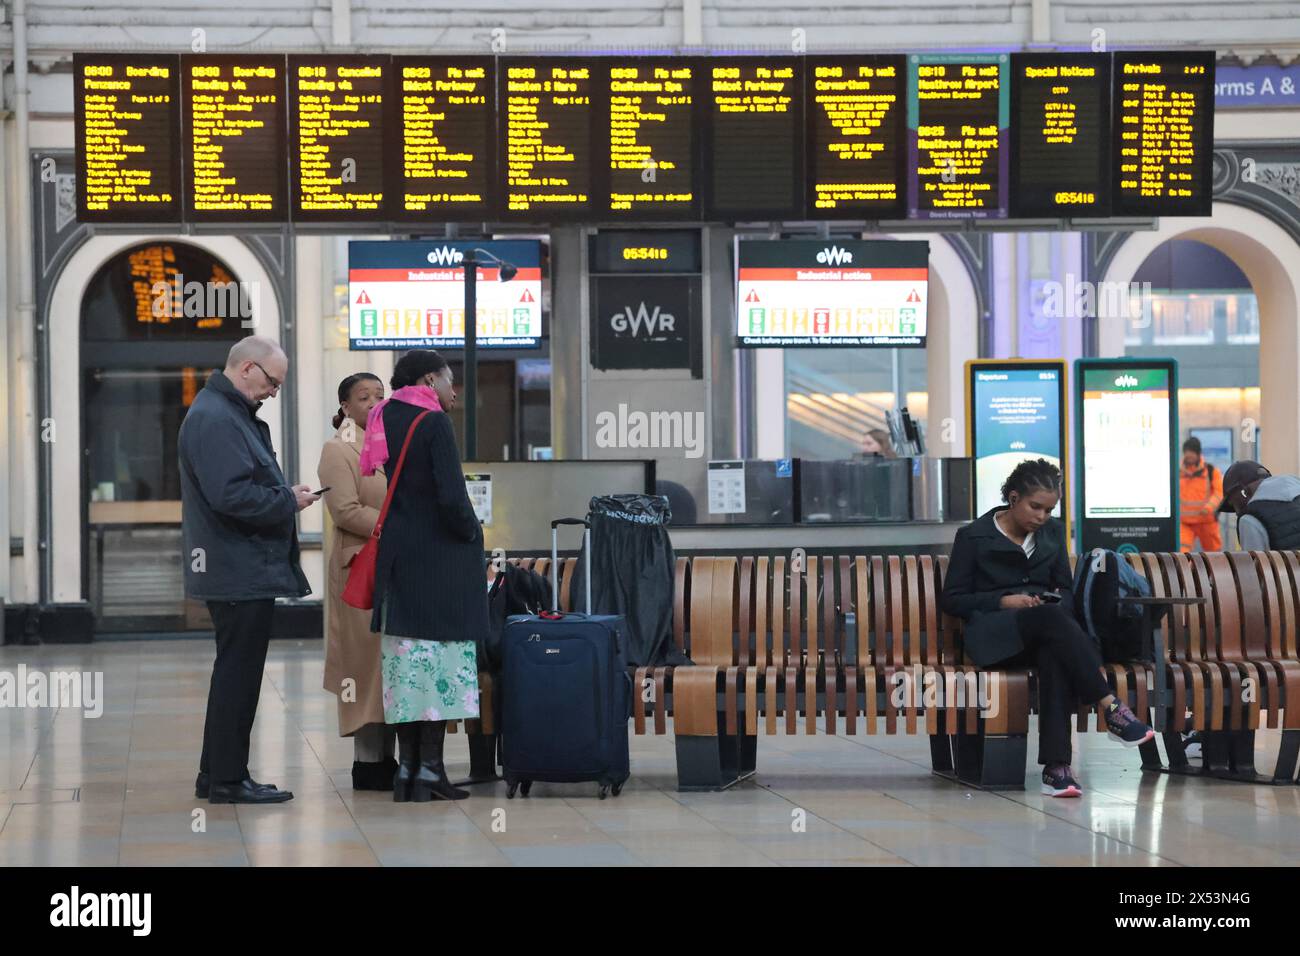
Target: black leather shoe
{"points": [[202, 785], [373, 776], [246, 792]]}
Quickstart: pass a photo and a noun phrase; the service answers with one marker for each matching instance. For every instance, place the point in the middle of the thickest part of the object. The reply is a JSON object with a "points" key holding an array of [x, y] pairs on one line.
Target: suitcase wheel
{"points": [[616, 789], [526, 787], [510, 791], [604, 790]]}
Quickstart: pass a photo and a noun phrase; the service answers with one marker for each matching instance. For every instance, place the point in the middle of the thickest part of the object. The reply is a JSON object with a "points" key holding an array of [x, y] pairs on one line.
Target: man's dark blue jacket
{"points": [[235, 503]]}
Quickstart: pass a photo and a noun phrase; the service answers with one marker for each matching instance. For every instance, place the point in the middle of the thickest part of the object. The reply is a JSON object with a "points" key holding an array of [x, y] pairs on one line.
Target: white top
{"points": [[1027, 547]]}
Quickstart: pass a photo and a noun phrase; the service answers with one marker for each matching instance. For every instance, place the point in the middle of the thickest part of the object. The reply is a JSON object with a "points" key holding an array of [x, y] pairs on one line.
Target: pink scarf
{"points": [[374, 450]]}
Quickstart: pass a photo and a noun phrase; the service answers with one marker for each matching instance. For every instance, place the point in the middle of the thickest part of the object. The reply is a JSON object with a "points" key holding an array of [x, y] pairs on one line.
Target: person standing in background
{"points": [[351, 648], [875, 442], [239, 527], [1200, 492]]}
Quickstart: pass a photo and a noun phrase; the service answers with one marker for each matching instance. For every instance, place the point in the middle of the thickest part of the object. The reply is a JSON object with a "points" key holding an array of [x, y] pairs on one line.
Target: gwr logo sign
{"points": [[834, 256], [642, 319], [445, 256]]}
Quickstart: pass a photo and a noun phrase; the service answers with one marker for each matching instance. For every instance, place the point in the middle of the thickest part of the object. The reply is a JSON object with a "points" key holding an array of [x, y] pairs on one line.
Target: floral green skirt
{"points": [[429, 680]]}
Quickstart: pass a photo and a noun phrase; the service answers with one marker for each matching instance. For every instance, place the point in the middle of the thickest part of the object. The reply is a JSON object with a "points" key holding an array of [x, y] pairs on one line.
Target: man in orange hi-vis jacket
{"points": [[1200, 489]]}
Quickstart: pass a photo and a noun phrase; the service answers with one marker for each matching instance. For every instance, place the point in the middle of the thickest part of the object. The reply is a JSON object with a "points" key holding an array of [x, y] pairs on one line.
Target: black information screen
{"points": [[958, 112], [545, 114], [1164, 133], [1060, 114], [128, 137], [856, 107], [644, 251], [336, 136], [754, 150], [648, 121], [233, 109], [444, 165]]}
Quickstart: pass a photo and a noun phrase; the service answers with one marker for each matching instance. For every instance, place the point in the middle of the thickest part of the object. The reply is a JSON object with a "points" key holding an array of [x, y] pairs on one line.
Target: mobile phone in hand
{"points": [[320, 491], [1050, 597]]}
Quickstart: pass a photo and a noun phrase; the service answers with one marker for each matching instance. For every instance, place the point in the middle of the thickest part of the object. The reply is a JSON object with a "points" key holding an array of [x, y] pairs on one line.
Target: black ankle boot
{"points": [[431, 782], [373, 776], [408, 752]]}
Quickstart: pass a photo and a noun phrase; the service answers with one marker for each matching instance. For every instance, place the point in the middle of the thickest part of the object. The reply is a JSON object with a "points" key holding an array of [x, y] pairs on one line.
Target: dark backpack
{"points": [[1101, 578]]}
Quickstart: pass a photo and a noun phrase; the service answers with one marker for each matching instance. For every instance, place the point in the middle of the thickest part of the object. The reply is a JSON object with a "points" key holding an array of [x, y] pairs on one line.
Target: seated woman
{"points": [[1009, 579]]}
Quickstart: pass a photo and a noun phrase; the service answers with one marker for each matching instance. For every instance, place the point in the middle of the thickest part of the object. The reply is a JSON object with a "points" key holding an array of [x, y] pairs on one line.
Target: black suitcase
{"points": [[566, 693]]}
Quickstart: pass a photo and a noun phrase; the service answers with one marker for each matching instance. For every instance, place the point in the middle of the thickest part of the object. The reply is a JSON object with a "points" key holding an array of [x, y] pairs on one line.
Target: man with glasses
{"points": [[238, 519]]}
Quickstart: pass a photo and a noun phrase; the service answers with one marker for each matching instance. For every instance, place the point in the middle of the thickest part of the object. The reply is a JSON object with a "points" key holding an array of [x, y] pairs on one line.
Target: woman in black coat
{"points": [[1009, 579], [430, 597]]}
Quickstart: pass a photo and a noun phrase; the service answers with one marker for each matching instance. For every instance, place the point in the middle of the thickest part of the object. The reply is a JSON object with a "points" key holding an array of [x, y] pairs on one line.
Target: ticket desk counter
{"points": [[866, 506]]}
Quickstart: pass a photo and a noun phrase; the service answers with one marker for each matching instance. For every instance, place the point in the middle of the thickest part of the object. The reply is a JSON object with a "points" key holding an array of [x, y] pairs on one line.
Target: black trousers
{"points": [[243, 632], [1068, 666]]}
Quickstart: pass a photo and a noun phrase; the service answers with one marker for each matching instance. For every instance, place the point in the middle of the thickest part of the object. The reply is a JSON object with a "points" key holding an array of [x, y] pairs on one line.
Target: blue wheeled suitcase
{"points": [[566, 693]]}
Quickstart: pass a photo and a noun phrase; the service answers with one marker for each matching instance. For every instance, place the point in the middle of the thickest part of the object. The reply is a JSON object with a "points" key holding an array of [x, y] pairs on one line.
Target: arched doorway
{"points": [[155, 319], [1266, 254]]}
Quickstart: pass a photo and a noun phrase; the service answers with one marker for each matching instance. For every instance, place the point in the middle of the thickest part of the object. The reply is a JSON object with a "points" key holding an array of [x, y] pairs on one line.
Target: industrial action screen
{"points": [[798, 292], [411, 295]]}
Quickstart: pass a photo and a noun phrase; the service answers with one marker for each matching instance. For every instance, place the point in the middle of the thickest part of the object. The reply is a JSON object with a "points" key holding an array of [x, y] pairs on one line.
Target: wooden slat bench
{"points": [[855, 643]]}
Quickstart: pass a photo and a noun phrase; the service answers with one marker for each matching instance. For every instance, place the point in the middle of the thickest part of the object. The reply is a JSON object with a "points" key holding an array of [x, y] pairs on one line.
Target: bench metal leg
{"points": [[1287, 755], [991, 762], [715, 763], [941, 753]]}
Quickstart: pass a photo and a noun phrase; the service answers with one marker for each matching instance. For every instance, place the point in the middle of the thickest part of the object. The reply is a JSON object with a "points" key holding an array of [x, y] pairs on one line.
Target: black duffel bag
{"points": [[632, 565]]}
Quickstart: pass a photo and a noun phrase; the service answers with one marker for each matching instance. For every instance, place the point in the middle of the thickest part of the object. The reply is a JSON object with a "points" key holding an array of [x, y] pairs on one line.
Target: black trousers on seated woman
{"points": [[1068, 666]]}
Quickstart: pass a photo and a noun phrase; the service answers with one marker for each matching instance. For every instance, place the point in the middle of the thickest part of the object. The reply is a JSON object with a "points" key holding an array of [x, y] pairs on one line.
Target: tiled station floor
{"points": [[118, 790]]}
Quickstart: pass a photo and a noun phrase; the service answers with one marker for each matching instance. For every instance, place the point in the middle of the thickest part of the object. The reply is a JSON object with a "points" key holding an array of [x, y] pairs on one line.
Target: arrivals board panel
{"points": [[856, 107], [753, 123], [411, 295], [234, 122], [958, 110], [834, 292], [1164, 133], [128, 137], [444, 166], [648, 121], [544, 111], [1060, 150], [336, 136]]}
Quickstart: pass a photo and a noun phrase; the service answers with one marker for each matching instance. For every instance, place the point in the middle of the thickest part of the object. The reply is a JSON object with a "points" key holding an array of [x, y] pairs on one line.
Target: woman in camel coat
{"points": [[352, 653]]}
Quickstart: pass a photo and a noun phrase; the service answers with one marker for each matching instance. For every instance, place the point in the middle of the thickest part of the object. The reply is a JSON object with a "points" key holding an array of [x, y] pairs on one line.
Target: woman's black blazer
{"points": [[985, 565], [430, 568]]}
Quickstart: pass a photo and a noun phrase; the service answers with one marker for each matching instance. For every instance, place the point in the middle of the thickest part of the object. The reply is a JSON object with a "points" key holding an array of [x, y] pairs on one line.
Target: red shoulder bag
{"points": [[359, 592]]}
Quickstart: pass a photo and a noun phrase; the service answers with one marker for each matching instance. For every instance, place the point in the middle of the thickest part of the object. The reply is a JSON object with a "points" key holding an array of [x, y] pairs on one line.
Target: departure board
{"points": [[754, 137], [1163, 151], [648, 107], [336, 135], [127, 110], [855, 107], [545, 117], [445, 165], [1060, 150], [958, 108], [233, 109]]}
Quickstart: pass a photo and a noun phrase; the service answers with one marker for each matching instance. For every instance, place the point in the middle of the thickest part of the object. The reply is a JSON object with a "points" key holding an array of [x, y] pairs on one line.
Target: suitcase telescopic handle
{"points": [[555, 559]]}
